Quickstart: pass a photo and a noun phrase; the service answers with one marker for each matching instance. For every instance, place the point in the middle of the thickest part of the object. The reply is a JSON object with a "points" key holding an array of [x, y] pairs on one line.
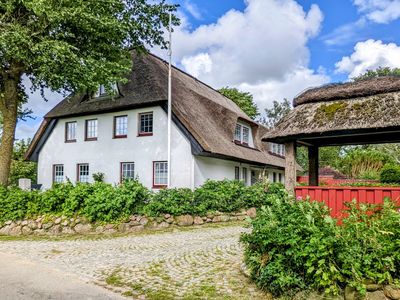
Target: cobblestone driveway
{"points": [[190, 264]]}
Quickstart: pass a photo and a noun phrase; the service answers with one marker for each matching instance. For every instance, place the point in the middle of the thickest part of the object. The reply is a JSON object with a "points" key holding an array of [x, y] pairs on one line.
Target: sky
{"points": [[274, 49]]}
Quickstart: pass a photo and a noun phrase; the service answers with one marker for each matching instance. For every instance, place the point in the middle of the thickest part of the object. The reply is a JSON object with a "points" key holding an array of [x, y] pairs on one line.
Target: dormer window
{"points": [[277, 149], [101, 91], [242, 134]]}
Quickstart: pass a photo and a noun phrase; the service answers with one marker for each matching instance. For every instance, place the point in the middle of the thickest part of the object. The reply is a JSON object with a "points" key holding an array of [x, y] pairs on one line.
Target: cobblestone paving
{"points": [[201, 263]]}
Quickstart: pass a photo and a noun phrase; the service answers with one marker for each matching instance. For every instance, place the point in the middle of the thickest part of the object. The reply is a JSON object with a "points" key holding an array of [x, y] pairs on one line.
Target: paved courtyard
{"points": [[202, 263]]}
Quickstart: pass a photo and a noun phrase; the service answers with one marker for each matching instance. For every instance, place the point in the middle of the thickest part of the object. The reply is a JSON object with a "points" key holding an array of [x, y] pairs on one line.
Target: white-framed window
{"points": [[145, 124], [244, 175], [237, 173], [160, 173], [70, 132], [242, 134], [278, 149], [127, 170], [101, 91], [91, 130], [120, 126], [58, 173], [83, 173]]}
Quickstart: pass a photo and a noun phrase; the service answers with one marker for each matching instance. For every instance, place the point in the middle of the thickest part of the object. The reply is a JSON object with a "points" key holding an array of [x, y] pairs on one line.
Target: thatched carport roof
{"points": [[359, 112]]}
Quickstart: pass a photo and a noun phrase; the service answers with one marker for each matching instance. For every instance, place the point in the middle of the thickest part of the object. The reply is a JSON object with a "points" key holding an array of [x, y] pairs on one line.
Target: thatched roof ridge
{"points": [[349, 90], [207, 115], [372, 112]]}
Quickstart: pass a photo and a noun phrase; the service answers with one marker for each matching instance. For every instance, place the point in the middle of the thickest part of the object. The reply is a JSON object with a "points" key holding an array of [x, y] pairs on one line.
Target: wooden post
{"points": [[313, 163], [290, 167]]}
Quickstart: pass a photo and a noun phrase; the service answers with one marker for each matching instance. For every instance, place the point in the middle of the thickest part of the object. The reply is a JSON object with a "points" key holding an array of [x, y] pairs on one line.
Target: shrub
{"points": [[296, 245], [108, 203], [390, 174], [98, 177], [171, 201], [75, 201], [52, 200], [224, 196]]}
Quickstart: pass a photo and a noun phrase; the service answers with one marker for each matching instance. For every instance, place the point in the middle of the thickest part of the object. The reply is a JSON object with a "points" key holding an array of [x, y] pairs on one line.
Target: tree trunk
{"points": [[9, 110]]}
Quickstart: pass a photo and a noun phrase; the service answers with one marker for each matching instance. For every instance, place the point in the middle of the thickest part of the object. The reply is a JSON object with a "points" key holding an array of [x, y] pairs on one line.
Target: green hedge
{"points": [[105, 202], [296, 246], [390, 174]]}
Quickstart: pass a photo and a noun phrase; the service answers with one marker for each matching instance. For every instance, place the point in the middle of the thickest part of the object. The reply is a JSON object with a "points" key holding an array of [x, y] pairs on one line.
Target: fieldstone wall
{"points": [[51, 226]]}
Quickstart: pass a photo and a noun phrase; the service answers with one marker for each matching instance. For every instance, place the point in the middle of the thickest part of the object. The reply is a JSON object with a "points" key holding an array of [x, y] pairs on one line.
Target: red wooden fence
{"points": [[334, 197]]}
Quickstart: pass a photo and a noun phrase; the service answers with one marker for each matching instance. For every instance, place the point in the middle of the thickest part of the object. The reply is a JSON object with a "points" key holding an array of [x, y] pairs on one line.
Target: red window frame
{"points": [[54, 172], [140, 133], [121, 179], [119, 136], [66, 132], [158, 186], [86, 130], [78, 171]]}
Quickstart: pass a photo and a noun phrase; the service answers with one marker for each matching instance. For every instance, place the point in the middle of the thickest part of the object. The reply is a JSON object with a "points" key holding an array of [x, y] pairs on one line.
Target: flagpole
{"points": [[169, 98]]}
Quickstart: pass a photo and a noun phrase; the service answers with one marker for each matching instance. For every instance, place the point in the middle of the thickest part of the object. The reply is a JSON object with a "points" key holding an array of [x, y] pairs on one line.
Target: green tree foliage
{"points": [[69, 46], [274, 114], [390, 174], [379, 72], [19, 167], [242, 99]]}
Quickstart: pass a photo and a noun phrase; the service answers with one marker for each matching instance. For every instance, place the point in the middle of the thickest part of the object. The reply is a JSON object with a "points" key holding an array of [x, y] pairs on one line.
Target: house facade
{"points": [[124, 135]]}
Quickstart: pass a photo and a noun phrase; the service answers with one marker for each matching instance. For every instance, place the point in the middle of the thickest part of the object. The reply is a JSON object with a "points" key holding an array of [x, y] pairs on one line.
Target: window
{"points": [[101, 91], [280, 177], [145, 124], [242, 134], [91, 130], [58, 173], [121, 127], [70, 132], [83, 173], [127, 170], [237, 173], [244, 175], [273, 177], [277, 149], [160, 173]]}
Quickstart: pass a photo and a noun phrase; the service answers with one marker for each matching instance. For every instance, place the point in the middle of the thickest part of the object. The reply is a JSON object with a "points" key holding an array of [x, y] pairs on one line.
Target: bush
{"points": [[52, 200], [296, 245], [223, 196], [15, 204], [390, 174], [171, 201]]}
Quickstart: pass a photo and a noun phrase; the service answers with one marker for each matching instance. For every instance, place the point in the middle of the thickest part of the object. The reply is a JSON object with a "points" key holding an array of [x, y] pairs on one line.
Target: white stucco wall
{"points": [[106, 154]]}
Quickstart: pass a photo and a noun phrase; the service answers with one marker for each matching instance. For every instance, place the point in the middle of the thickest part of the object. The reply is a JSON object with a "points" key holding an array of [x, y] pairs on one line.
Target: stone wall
{"points": [[51, 226]]}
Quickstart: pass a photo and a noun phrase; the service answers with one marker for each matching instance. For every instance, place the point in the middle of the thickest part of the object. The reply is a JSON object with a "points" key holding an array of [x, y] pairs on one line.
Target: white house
{"points": [[125, 135]]}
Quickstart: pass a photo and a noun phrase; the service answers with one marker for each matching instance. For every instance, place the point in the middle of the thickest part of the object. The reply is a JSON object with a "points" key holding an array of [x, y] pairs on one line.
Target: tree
{"points": [[19, 167], [378, 73], [70, 46], [276, 113], [242, 99]]}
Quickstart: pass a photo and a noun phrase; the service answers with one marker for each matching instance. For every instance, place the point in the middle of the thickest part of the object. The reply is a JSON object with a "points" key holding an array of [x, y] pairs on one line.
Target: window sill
{"points": [[70, 141], [90, 139], [276, 154], [159, 186], [145, 134], [120, 136], [244, 145]]}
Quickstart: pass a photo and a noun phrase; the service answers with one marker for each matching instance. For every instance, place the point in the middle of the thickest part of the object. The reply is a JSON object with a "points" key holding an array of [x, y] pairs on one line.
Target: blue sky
{"points": [[274, 48]]}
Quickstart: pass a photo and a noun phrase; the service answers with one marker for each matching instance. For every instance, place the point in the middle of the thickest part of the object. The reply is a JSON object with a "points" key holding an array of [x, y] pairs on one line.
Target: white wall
{"points": [[105, 154]]}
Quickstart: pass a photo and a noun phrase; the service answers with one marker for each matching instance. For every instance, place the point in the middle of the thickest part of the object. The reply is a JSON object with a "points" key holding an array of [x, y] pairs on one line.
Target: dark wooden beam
{"points": [[313, 163]]}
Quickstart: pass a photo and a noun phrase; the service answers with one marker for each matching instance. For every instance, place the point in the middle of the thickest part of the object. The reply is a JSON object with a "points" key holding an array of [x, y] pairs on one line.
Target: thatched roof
{"points": [[207, 115], [361, 107]]}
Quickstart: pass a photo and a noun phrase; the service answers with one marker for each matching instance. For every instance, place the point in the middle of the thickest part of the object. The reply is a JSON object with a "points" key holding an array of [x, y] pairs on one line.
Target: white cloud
{"points": [[261, 48], [379, 11], [369, 55], [193, 9], [345, 33]]}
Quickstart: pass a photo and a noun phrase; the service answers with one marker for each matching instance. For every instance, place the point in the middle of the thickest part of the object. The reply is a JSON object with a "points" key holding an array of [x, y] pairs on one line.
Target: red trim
{"points": [[158, 186], [140, 133], [54, 171], [115, 136], [120, 168], [77, 170], [86, 127], [66, 140]]}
